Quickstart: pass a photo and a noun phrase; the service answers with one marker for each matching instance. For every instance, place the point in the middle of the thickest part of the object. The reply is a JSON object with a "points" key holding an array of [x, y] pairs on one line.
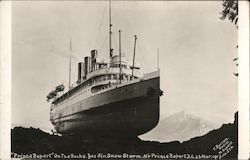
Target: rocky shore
{"points": [[220, 143]]}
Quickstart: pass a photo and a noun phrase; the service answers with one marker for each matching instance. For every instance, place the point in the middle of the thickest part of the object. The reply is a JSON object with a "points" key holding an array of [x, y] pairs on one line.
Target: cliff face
{"points": [[216, 142]]}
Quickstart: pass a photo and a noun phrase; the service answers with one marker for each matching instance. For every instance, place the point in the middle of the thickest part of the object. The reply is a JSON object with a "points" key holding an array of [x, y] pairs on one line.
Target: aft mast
{"points": [[120, 56], [70, 48], [158, 62], [110, 32]]}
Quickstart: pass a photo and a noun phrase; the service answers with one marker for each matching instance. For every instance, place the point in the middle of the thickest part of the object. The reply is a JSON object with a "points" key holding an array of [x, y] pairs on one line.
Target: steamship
{"points": [[111, 96]]}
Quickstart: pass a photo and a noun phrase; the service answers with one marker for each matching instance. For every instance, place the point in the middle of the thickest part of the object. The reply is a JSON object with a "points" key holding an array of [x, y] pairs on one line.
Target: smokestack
{"points": [[87, 65], [80, 72], [83, 71], [93, 59]]}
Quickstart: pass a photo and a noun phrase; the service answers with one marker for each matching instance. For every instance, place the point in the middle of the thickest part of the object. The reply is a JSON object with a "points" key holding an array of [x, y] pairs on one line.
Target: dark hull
{"points": [[129, 116]]}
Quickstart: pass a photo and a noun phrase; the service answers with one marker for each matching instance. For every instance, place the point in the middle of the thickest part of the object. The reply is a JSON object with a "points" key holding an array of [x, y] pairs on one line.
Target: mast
{"points": [[110, 31], [120, 54], [158, 64], [70, 48], [134, 57]]}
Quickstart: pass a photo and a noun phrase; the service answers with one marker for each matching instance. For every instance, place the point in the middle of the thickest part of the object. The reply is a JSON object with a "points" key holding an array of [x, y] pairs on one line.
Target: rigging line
{"points": [[73, 56], [128, 43], [118, 14], [143, 58], [146, 67], [126, 35], [100, 26], [64, 54], [114, 41], [71, 53], [101, 47], [110, 32]]}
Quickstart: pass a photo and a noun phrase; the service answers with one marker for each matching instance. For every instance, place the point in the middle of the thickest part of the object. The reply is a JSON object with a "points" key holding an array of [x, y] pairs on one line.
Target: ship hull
{"points": [[135, 113]]}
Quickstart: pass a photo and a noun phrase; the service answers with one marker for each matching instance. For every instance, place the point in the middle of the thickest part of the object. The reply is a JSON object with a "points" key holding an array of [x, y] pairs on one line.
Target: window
{"points": [[115, 76], [109, 77]]}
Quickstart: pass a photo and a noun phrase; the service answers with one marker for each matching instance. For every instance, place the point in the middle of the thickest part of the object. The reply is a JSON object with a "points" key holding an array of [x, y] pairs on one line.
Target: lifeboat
{"points": [[53, 93], [60, 88], [49, 96]]}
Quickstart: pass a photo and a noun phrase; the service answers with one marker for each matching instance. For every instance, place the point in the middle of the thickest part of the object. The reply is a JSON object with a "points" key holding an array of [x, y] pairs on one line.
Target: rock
{"points": [[31, 140]]}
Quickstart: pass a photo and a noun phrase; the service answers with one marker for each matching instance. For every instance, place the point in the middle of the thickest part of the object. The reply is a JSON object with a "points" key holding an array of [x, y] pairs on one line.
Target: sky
{"points": [[196, 52]]}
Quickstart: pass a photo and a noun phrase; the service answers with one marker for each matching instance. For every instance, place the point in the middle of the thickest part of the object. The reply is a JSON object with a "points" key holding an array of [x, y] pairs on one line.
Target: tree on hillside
{"points": [[230, 11]]}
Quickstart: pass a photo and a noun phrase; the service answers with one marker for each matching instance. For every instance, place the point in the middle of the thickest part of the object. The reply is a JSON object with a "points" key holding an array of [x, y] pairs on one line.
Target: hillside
{"points": [[31, 140]]}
